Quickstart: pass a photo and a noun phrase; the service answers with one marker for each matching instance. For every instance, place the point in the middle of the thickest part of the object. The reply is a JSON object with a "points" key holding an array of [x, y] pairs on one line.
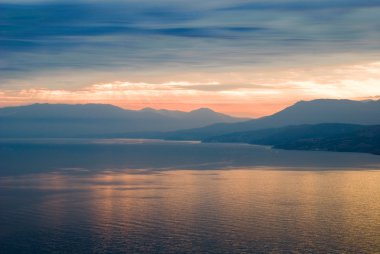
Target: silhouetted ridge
{"points": [[303, 112], [202, 110], [98, 120], [326, 137]]}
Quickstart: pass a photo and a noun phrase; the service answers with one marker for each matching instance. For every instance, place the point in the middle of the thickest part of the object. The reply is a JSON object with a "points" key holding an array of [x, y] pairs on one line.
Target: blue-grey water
{"points": [[138, 196]]}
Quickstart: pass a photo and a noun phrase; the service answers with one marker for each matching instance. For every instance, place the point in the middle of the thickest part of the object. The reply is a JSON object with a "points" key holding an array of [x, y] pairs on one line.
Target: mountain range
{"points": [[303, 112], [323, 137], [325, 124], [94, 120]]}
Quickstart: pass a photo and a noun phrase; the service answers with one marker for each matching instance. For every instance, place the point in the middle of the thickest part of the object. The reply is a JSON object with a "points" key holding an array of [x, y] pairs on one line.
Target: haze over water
{"points": [[77, 77], [123, 196]]}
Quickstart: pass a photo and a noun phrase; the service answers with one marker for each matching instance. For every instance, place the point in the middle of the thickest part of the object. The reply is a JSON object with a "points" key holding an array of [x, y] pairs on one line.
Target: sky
{"points": [[244, 58]]}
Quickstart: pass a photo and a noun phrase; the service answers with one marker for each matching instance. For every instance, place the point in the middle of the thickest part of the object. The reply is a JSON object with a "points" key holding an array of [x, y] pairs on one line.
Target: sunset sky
{"points": [[244, 58]]}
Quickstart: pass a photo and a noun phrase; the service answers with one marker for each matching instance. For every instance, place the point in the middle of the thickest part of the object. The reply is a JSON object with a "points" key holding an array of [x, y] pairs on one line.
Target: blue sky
{"points": [[71, 45]]}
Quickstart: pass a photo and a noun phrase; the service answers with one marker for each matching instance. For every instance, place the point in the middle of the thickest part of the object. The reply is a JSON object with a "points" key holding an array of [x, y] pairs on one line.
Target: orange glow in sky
{"points": [[250, 94]]}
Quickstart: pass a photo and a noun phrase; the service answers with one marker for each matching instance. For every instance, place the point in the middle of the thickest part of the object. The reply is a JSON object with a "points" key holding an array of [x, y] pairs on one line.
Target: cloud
{"points": [[304, 5], [54, 49], [217, 87], [255, 95], [119, 86], [170, 95], [130, 31]]}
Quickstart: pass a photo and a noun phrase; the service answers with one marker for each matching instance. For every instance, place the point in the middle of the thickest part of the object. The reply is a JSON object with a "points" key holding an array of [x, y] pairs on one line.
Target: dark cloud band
{"points": [[212, 34]]}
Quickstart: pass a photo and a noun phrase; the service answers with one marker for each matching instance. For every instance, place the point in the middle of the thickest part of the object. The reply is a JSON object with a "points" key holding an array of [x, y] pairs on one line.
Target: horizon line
{"points": [[186, 111]]}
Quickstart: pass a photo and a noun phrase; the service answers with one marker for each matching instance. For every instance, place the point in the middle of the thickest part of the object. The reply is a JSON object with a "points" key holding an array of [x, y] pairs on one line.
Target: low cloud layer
{"points": [[260, 97]]}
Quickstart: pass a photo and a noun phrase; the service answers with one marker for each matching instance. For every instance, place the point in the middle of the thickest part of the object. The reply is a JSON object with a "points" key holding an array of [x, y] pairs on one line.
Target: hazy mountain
{"points": [[286, 134], [326, 137], [303, 112], [62, 120]]}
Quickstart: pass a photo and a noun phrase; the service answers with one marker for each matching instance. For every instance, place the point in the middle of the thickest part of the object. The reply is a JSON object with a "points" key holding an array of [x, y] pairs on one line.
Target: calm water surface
{"points": [[155, 197]]}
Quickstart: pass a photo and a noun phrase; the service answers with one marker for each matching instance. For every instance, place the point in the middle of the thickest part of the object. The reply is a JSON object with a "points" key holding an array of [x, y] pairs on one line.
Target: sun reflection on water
{"points": [[226, 210]]}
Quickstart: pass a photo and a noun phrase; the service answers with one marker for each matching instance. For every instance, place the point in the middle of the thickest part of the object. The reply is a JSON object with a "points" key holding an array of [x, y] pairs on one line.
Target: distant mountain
{"points": [[325, 137], [303, 112], [90, 120], [286, 134]]}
